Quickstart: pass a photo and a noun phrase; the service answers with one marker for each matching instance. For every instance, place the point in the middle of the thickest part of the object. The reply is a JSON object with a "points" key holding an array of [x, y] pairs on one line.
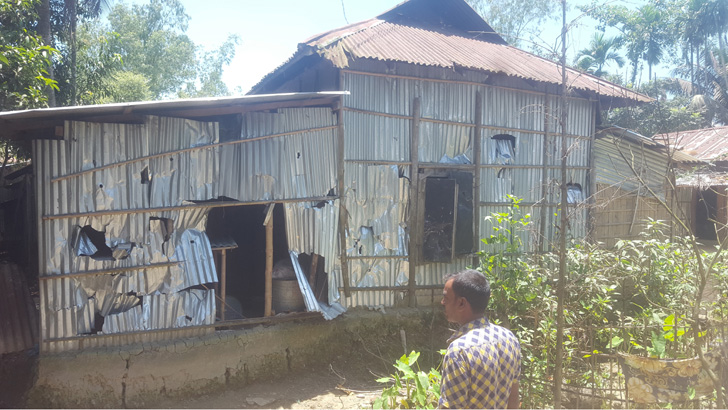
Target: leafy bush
{"points": [[411, 388]]}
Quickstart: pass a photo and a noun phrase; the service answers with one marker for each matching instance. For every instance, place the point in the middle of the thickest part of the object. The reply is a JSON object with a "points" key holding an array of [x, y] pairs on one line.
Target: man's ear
{"points": [[463, 303]]}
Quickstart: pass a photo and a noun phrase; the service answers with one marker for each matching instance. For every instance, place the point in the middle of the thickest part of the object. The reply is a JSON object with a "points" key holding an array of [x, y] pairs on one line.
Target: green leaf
{"points": [[615, 342]]}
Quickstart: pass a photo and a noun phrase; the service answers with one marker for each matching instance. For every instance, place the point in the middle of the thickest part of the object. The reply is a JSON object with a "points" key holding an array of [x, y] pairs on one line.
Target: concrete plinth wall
{"points": [[138, 375]]}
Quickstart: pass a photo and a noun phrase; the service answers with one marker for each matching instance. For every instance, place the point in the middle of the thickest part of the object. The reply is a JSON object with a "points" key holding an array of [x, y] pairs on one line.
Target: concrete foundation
{"points": [[138, 375]]}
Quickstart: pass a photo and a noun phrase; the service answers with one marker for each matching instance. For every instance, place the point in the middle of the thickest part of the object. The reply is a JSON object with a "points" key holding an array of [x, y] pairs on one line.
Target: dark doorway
{"points": [[448, 215], [706, 213], [245, 267]]}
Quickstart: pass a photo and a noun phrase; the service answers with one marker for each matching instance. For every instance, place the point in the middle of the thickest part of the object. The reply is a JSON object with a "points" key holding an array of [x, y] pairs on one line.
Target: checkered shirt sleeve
{"points": [[479, 367]]}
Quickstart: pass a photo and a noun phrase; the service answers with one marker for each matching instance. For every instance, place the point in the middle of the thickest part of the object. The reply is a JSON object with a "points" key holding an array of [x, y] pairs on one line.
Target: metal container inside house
{"points": [[287, 296]]}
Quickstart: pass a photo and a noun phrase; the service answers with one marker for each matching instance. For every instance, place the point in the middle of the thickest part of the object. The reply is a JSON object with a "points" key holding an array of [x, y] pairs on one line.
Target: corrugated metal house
{"points": [[396, 136], [706, 186], [141, 207], [632, 176], [441, 103]]}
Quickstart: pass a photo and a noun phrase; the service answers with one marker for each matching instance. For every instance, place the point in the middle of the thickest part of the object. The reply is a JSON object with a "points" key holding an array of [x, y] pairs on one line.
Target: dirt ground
{"points": [[334, 388], [342, 382]]}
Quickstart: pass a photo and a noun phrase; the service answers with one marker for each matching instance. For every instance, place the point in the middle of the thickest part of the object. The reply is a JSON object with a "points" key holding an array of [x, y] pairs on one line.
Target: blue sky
{"points": [[270, 30]]}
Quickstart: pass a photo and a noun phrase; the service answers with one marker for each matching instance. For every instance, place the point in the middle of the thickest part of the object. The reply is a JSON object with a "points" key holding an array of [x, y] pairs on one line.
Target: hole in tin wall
{"points": [[92, 243]]}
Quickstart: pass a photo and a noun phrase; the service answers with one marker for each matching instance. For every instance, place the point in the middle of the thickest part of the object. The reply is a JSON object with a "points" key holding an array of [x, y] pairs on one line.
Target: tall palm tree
{"points": [[601, 51]]}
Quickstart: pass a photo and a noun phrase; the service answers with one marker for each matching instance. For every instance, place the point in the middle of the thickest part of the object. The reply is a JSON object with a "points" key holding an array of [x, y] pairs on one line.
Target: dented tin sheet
{"points": [[313, 228], [329, 311], [375, 202], [192, 307]]}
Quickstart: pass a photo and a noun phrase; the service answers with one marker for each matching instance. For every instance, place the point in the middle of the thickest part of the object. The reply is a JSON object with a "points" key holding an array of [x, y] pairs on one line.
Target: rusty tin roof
{"points": [[442, 33], [708, 144]]}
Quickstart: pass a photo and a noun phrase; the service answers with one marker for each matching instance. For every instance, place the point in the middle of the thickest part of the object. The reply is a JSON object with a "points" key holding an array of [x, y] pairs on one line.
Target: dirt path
{"points": [[336, 388]]}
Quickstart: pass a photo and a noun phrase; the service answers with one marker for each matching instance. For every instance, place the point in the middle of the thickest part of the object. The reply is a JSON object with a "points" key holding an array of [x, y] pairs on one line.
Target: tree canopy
{"points": [[518, 22], [24, 60]]}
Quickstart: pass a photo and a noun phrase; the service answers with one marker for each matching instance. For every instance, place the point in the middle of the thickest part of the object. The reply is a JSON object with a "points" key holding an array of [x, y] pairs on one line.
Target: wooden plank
{"points": [[268, 223]]}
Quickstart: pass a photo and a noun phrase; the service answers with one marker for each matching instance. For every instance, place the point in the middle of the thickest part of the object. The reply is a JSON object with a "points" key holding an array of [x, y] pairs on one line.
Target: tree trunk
{"points": [[74, 22], [44, 29], [561, 286]]}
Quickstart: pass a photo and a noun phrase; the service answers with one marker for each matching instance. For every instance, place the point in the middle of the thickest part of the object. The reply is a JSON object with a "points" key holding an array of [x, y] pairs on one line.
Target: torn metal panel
{"points": [[374, 202], [445, 143], [312, 304], [61, 240], [193, 307], [78, 299], [108, 292], [193, 248], [314, 229]]}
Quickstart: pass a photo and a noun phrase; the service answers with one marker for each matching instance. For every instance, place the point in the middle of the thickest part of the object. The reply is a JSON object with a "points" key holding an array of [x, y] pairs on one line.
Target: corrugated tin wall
{"points": [[624, 203], [378, 121], [618, 160], [123, 180]]}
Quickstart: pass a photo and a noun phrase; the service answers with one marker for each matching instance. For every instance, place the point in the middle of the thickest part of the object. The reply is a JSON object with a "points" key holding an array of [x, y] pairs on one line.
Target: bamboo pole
{"points": [[461, 124], [215, 204], [544, 174], [181, 151], [223, 281], [477, 141], [414, 227], [561, 287], [268, 223], [340, 186], [111, 271]]}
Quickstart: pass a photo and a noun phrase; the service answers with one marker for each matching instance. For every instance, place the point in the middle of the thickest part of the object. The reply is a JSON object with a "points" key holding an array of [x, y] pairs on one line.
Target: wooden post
{"points": [[223, 280], [268, 223], [476, 174], [340, 186], [414, 227]]}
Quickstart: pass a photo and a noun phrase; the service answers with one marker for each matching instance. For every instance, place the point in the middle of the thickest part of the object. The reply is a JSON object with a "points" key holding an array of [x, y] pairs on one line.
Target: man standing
{"points": [[483, 362]]}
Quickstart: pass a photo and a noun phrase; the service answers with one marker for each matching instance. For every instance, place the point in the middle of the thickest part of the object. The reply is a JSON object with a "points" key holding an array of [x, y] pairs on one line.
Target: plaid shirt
{"points": [[479, 367]]}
